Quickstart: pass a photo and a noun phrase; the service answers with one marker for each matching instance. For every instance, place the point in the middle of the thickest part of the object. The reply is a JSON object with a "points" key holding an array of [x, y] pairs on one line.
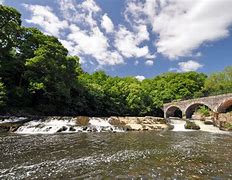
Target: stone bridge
{"points": [[218, 104]]}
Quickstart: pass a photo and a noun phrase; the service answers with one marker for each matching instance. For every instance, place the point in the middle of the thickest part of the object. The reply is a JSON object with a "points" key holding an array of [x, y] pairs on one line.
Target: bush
{"points": [[191, 125], [204, 111], [228, 126]]}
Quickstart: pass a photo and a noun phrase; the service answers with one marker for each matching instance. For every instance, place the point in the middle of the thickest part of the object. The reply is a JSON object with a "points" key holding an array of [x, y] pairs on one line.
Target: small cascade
{"points": [[178, 125], [51, 126], [12, 119], [208, 128], [101, 124]]}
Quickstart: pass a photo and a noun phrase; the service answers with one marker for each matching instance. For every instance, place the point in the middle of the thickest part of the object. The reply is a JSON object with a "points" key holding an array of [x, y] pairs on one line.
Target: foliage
{"points": [[205, 111], [191, 125], [2, 94], [228, 126], [219, 83]]}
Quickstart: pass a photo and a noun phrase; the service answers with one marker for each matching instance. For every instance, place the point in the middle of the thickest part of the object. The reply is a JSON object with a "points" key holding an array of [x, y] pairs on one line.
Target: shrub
{"points": [[204, 110], [191, 125]]}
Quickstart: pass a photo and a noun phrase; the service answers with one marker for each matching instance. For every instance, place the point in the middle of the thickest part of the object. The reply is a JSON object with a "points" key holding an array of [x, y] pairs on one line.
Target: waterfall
{"points": [[51, 126]]}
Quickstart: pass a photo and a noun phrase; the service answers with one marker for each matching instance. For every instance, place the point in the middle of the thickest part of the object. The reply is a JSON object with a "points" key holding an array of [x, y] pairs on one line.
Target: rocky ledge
{"points": [[140, 123]]}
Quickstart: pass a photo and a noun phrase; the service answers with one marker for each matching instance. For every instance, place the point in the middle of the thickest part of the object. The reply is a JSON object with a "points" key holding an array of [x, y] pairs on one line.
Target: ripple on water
{"points": [[106, 155]]}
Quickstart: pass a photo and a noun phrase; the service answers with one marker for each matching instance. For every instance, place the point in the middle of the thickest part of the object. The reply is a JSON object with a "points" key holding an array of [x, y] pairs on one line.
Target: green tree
{"points": [[2, 94], [219, 83]]}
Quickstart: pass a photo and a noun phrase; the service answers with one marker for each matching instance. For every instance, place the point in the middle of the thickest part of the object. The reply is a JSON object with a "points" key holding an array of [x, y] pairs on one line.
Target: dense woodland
{"points": [[37, 76]]}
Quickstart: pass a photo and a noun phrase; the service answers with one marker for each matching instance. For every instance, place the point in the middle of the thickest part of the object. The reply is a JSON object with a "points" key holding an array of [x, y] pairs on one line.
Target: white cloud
{"points": [[86, 37], [107, 24], [149, 63], [188, 66], [140, 78], [1, 1], [182, 26], [90, 5], [46, 19], [95, 44], [127, 42]]}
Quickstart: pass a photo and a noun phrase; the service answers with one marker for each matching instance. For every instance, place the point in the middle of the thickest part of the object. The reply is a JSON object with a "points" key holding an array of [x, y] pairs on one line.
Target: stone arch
{"points": [[173, 111], [225, 106], [193, 107]]}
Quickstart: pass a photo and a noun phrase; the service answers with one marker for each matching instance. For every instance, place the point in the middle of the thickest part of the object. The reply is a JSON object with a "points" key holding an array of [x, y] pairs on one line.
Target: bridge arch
{"points": [[225, 105], [174, 111], [193, 107]]}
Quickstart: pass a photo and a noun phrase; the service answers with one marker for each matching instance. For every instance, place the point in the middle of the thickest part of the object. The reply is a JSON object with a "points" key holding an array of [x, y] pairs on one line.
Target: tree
{"points": [[219, 83], [2, 94]]}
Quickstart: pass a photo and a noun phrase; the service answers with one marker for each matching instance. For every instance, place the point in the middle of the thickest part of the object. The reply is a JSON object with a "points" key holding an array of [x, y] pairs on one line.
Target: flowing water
{"points": [[108, 155]]}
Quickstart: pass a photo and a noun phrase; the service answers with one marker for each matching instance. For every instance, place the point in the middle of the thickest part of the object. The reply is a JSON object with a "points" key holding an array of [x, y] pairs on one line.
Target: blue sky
{"points": [[140, 38]]}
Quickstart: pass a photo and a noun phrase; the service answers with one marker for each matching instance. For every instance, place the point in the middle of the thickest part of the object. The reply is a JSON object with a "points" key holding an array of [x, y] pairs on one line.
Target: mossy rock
{"points": [[191, 125]]}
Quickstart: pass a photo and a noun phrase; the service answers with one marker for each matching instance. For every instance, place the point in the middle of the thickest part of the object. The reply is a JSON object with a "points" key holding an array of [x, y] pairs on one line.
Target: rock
{"points": [[191, 125], [72, 128], [82, 120], [134, 127], [170, 127], [63, 128], [208, 122], [198, 117], [85, 128], [117, 121]]}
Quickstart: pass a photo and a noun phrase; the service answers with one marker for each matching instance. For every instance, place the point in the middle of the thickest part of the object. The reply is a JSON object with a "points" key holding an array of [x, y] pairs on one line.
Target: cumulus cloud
{"points": [[149, 63], [46, 19], [85, 37], [127, 42], [107, 24], [1, 1], [182, 26], [140, 78], [188, 66]]}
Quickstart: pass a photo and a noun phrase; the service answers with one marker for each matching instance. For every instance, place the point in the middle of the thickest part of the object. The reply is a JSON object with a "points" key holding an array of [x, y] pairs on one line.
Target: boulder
{"points": [[82, 120], [71, 128], [63, 128]]}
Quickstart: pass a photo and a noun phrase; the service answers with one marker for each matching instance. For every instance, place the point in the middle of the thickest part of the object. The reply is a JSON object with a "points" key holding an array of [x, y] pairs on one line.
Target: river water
{"points": [[120, 155]]}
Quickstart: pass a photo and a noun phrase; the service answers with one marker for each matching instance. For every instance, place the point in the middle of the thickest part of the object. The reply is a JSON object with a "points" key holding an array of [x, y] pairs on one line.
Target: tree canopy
{"points": [[38, 76]]}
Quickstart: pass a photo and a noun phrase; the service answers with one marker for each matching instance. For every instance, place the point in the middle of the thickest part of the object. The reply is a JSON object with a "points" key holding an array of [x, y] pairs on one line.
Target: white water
{"points": [[179, 126], [52, 126], [12, 119]]}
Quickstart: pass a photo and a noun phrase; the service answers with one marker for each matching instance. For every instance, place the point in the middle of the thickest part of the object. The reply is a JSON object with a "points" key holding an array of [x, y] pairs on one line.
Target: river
{"points": [[120, 155]]}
